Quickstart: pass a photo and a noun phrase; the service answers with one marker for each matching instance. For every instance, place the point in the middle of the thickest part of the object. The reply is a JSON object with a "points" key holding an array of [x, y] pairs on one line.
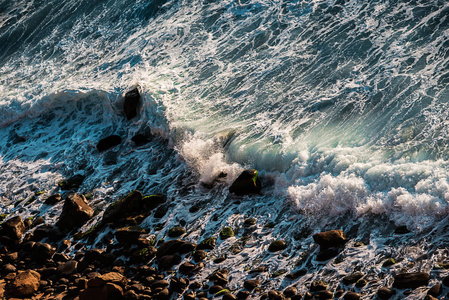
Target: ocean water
{"points": [[342, 106]]}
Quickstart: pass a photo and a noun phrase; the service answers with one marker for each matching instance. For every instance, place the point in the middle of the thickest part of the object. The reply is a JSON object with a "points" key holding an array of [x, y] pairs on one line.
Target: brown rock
{"points": [[220, 277], [215, 289], [131, 204], [411, 280], [318, 285], [229, 296], [199, 255], [323, 295], [332, 238], [168, 261], [290, 291], [353, 278], [169, 248], [189, 296], [352, 296], [179, 285], [435, 290], [75, 212], [162, 295], [24, 285], [53, 199], [251, 284], [129, 235], [384, 293], [68, 267], [242, 295], [44, 251], [277, 246], [14, 228]]}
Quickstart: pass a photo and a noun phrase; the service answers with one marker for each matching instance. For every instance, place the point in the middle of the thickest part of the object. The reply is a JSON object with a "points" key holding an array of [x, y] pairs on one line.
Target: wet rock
{"points": [[24, 284], [176, 231], [219, 277], [207, 244], [168, 261], [353, 278], [169, 248], [325, 295], [259, 269], [290, 291], [152, 201], [131, 104], [131, 204], [129, 235], [274, 295], [73, 183], [179, 285], [68, 267], [247, 183], [297, 274], [226, 233], [186, 247], [215, 289], [318, 285], [53, 199], [277, 246], [388, 262], [436, 290], [199, 255], [229, 296], [75, 213], [411, 280], [108, 142], [401, 230], [352, 296], [160, 212], [189, 296], [14, 228], [251, 284], [44, 251], [328, 239], [361, 283], [384, 293], [242, 295], [140, 139], [250, 222]]}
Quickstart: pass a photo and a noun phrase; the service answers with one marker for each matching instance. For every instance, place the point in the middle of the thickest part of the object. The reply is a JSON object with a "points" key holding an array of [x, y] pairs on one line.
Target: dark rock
{"points": [[72, 183], [401, 230], [176, 231], [228, 296], [290, 291], [323, 295], [129, 235], [297, 274], [215, 289], [361, 283], [411, 280], [189, 296], [44, 251], [219, 277], [251, 284], [108, 142], [199, 255], [8, 268], [169, 248], [75, 213], [274, 295], [219, 260], [160, 212], [179, 285], [53, 199], [436, 290], [352, 296], [162, 295], [247, 183], [388, 262], [226, 233], [207, 244], [140, 139], [131, 104], [159, 284], [168, 261], [14, 228], [328, 239], [242, 295], [260, 269], [318, 285], [353, 278], [277, 246], [131, 204], [250, 222], [24, 284], [68, 267], [186, 247], [384, 293], [189, 268]]}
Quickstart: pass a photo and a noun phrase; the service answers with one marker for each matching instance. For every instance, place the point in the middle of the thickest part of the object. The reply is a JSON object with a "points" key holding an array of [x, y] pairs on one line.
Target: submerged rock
{"points": [[247, 183], [411, 280], [108, 142], [132, 101], [75, 212], [14, 228], [331, 238]]}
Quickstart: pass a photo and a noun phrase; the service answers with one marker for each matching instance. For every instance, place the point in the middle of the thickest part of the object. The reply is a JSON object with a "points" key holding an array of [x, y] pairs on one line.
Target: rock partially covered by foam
{"points": [[75, 212], [132, 101], [331, 238], [108, 142], [411, 280], [247, 183]]}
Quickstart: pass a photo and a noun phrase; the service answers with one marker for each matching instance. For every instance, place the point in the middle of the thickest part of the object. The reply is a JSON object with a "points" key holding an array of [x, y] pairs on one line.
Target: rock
{"points": [[318, 285], [251, 284], [352, 296], [53, 199], [226, 233], [361, 283], [274, 295], [429, 297], [168, 261], [297, 274], [186, 247], [108, 142], [162, 295], [260, 269], [188, 268], [129, 235], [199, 255], [215, 289], [436, 290], [14, 228], [220, 277], [159, 284], [388, 262], [290, 291], [160, 212], [131, 204], [109, 291], [384, 293], [111, 277], [44, 251], [75, 213], [68, 267], [277, 246], [189, 296], [323, 295], [24, 284], [72, 183], [250, 222], [401, 230], [131, 104], [328, 239], [8, 268], [242, 295], [169, 248], [140, 139], [207, 244], [228, 296], [176, 231], [353, 278], [247, 183], [179, 285], [411, 280]]}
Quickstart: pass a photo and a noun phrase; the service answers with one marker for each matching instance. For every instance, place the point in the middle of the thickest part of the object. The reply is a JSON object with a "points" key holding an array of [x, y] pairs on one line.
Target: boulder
{"points": [[108, 142], [277, 246], [207, 244], [410, 280], [24, 284], [384, 293], [131, 104], [251, 284], [179, 285], [53, 199], [226, 233], [176, 231], [169, 248], [247, 183], [129, 235], [75, 213], [14, 228], [328, 239], [44, 251], [72, 183]]}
